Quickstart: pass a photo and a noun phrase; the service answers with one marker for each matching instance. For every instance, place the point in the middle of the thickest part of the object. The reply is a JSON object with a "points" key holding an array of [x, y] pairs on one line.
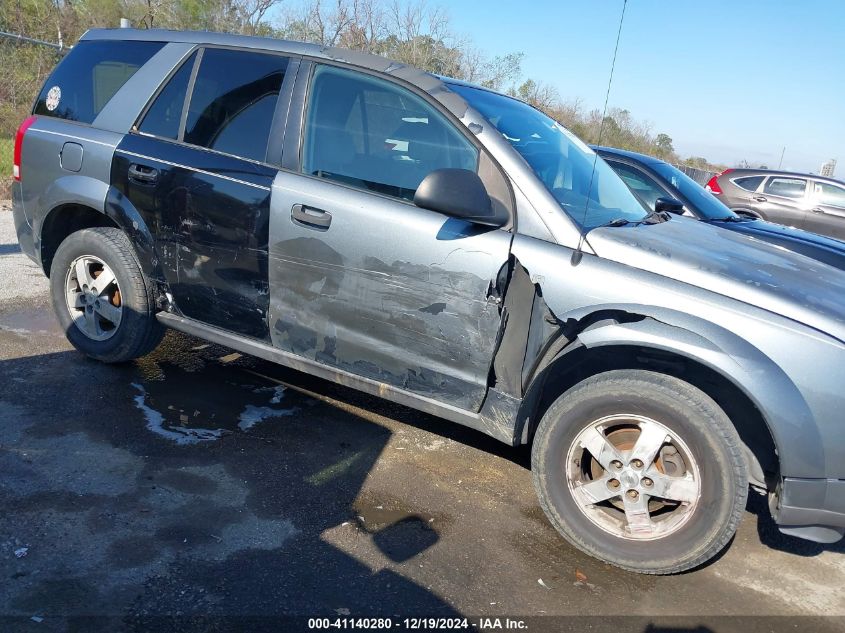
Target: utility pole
{"points": [[780, 163]]}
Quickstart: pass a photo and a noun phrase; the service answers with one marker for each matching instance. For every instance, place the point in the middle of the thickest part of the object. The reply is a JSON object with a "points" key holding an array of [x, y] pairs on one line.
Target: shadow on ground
{"points": [[215, 509]]}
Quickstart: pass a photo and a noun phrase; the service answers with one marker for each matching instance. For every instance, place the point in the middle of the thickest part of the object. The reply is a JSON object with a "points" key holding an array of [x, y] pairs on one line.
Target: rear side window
{"points": [[84, 82], [375, 135], [165, 114], [829, 194], [749, 183], [786, 187], [233, 101]]}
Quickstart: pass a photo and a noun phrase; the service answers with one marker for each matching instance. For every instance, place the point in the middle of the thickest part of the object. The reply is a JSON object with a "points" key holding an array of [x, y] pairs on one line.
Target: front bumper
{"points": [[813, 509]]}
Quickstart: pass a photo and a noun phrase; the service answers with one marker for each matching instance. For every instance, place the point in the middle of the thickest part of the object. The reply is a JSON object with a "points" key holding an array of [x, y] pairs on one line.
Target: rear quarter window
{"points": [[749, 183], [84, 81]]}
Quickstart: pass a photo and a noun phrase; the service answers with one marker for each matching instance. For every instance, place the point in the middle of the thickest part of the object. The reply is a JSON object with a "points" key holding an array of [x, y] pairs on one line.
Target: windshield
{"points": [[559, 159], [704, 201]]}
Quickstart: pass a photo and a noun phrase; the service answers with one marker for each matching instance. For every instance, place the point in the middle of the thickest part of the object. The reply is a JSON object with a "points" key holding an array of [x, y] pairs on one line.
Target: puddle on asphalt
{"points": [[23, 324], [189, 394], [398, 531], [29, 321], [180, 433]]}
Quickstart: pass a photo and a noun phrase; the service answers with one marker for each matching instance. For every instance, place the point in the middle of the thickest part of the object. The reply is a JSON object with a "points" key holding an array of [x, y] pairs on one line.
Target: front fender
{"points": [[781, 403]]}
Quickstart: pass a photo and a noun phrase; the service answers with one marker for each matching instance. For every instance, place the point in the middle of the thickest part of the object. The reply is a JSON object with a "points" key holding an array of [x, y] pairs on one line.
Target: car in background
{"points": [[653, 179], [808, 202]]}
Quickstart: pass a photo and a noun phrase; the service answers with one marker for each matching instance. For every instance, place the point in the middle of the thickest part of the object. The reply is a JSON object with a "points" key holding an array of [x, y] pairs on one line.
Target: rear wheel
{"points": [[641, 470], [101, 297]]}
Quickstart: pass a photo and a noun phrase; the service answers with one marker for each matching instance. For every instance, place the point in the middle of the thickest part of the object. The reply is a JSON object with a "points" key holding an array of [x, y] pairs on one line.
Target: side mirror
{"points": [[458, 193], [669, 205]]}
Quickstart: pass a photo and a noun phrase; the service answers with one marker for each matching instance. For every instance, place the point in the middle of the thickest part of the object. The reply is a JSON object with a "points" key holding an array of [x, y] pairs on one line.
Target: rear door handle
{"points": [[817, 210], [310, 217], [760, 198], [142, 174]]}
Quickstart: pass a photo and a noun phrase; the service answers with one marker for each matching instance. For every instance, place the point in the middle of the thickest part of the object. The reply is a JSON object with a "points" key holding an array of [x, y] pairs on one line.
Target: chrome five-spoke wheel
{"points": [[633, 477], [93, 297]]}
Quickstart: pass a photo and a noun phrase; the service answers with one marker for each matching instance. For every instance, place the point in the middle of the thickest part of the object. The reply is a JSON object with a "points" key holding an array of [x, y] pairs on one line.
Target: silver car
{"points": [[808, 202], [451, 249]]}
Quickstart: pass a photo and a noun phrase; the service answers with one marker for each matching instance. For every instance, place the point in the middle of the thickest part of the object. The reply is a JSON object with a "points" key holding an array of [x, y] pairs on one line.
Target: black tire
{"points": [[138, 332], [690, 415]]}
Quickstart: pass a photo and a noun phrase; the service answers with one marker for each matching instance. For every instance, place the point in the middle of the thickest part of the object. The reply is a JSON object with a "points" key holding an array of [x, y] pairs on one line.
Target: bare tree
{"points": [[252, 12]]}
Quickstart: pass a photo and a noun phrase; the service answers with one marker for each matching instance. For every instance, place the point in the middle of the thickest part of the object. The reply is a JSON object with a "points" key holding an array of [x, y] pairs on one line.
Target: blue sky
{"points": [[726, 80]]}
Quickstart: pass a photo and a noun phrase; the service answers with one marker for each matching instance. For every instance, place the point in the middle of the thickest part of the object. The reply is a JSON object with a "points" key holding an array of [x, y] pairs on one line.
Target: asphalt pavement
{"points": [[198, 489]]}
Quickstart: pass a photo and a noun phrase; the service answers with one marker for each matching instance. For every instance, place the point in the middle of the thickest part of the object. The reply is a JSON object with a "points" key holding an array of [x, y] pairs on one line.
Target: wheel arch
{"points": [[755, 393], [72, 203]]}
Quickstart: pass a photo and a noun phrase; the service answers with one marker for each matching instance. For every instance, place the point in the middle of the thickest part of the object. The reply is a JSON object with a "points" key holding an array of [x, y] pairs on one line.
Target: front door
{"points": [[197, 171], [360, 278]]}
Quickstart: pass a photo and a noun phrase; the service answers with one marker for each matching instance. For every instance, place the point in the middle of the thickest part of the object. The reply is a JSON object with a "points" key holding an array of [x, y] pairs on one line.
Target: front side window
{"points": [[585, 186], [232, 104], [749, 183], [828, 194], [84, 82], [648, 190], [374, 135], [786, 187], [165, 114]]}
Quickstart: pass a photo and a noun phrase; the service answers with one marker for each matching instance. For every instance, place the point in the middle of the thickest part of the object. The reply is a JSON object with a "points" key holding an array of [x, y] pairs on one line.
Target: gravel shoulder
{"points": [[23, 278]]}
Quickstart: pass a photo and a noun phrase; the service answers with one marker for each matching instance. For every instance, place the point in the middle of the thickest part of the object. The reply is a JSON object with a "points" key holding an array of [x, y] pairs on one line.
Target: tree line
{"points": [[409, 31]]}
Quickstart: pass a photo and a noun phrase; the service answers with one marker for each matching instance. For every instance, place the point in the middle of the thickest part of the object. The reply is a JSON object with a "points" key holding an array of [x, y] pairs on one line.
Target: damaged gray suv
{"points": [[451, 249]]}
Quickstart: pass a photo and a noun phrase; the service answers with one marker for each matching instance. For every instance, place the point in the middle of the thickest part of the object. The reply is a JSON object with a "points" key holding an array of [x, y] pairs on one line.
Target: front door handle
{"points": [[760, 198], [310, 217], [817, 210], [142, 174]]}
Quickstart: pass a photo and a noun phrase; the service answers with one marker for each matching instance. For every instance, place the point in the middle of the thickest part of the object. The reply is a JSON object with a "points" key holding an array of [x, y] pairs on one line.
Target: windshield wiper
{"points": [[615, 222]]}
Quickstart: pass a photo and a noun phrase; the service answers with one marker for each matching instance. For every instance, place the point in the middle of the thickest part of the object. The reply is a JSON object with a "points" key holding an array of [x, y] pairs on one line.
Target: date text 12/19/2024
{"points": [[417, 624]]}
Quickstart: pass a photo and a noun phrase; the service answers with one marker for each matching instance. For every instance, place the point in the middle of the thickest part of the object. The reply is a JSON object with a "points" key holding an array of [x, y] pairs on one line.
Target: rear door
{"points": [[198, 166], [783, 199], [360, 278], [827, 214]]}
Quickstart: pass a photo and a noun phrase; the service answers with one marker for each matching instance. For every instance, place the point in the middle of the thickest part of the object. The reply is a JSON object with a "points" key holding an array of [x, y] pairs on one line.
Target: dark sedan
{"points": [[652, 179]]}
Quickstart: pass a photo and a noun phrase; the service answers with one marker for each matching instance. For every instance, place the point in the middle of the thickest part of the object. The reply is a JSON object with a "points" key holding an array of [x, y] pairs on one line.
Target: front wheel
{"points": [[101, 297], [641, 470]]}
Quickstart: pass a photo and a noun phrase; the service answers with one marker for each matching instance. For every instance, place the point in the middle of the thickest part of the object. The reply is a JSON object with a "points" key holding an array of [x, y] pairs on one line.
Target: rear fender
{"points": [[97, 195]]}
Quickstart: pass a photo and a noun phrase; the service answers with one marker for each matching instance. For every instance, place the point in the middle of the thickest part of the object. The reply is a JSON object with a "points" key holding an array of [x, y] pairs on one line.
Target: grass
{"points": [[7, 148]]}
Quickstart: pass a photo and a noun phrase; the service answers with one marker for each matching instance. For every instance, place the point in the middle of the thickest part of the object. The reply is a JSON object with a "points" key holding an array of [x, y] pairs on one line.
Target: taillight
{"points": [[16, 165], [713, 184]]}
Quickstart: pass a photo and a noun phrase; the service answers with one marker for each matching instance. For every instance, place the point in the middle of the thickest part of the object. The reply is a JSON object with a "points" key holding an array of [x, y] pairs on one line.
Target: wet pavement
{"points": [[210, 486]]}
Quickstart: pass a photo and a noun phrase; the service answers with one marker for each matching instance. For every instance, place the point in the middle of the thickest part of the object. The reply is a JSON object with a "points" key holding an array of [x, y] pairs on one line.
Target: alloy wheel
{"points": [[633, 477], [93, 297]]}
